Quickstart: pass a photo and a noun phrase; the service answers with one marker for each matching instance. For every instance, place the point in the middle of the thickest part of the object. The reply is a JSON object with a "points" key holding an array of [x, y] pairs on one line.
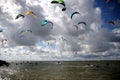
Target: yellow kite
{"points": [[30, 12]]}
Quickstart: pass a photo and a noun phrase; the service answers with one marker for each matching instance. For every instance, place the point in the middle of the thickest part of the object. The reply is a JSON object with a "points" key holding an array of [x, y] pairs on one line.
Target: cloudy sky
{"points": [[97, 40]]}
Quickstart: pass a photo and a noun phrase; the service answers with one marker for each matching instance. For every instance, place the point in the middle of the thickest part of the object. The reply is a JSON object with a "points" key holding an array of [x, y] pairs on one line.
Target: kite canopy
{"points": [[4, 41], [107, 1], [25, 31], [64, 39], [19, 15], [111, 22], [76, 27], [31, 13], [74, 14], [59, 2], [45, 22], [82, 23]]}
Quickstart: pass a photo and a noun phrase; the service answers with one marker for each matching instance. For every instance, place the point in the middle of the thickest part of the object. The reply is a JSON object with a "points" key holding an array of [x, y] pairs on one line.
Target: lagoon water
{"points": [[61, 70]]}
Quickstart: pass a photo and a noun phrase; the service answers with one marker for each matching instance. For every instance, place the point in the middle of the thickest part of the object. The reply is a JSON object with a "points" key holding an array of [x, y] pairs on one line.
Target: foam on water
{"points": [[5, 72]]}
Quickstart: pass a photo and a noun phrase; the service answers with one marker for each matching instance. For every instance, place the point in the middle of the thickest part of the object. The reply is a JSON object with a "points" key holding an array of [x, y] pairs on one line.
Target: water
{"points": [[54, 70]]}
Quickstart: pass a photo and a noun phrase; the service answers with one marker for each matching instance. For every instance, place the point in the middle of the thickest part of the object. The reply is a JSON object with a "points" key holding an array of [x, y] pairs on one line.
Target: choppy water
{"points": [[77, 70]]}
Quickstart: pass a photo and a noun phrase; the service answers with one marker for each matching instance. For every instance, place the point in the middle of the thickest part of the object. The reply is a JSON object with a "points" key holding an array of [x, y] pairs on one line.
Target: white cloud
{"points": [[88, 42], [117, 22]]}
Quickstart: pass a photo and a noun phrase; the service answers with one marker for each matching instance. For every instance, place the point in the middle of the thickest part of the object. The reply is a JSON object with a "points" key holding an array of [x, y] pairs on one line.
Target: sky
{"points": [[109, 11], [97, 40]]}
